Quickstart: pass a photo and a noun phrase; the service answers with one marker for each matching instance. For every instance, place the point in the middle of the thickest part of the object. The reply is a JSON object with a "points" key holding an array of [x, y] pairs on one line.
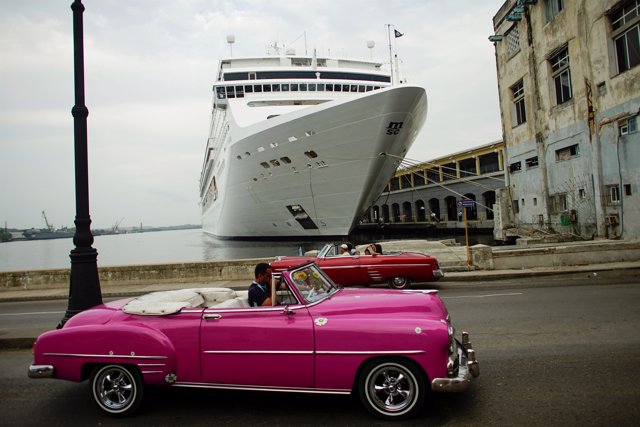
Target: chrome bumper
{"points": [[41, 371], [467, 370], [439, 274]]}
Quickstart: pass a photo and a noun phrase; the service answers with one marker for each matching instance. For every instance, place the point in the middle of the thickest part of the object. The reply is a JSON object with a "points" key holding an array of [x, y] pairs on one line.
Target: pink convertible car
{"points": [[389, 346]]}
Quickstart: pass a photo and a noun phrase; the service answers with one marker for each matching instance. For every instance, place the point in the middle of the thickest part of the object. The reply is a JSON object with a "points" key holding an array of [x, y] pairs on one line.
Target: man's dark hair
{"points": [[261, 268]]}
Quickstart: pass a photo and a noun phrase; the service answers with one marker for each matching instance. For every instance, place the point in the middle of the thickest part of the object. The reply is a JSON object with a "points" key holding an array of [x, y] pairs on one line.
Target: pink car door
{"points": [[260, 346]]}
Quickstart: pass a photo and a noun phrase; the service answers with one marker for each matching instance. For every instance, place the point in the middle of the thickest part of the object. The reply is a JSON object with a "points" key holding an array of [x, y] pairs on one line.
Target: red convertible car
{"points": [[386, 346], [397, 269]]}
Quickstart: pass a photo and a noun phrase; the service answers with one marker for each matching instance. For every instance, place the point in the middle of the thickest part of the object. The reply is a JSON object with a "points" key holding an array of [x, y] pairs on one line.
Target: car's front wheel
{"points": [[391, 388], [399, 282], [117, 389]]}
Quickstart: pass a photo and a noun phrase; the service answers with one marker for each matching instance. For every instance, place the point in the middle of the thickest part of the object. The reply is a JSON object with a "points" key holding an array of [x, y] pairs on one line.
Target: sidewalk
{"points": [[25, 335]]}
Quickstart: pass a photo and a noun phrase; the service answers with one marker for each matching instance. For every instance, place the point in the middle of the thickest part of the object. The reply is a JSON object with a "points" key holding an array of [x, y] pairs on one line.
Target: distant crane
{"points": [[115, 229], [49, 226]]}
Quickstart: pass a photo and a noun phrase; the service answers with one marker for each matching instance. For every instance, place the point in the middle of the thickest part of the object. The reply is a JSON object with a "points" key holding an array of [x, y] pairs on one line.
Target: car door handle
{"points": [[212, 316], [288, 312]]}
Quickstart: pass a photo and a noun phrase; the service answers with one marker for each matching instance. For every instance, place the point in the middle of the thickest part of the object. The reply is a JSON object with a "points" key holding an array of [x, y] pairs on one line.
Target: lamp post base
{"points": [[84, 288]]}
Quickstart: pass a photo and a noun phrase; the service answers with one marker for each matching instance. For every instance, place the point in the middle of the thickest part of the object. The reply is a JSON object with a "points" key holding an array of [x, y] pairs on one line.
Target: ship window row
{"points": [[238, 91], [329, 75], [274, 162]]}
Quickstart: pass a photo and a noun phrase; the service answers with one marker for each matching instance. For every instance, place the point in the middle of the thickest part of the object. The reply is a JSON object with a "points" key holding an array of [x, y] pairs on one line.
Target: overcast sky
{"points": [[149, 67]]}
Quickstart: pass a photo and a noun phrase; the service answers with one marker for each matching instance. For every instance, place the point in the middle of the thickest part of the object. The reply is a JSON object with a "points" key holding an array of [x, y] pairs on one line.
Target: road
{"points": [[553, 352]]}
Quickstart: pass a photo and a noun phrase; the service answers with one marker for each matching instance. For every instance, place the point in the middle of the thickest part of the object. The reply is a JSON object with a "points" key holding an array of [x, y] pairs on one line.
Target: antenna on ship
{"points": [[390, 54], [231, 39], [396, 34], [370, 45]]}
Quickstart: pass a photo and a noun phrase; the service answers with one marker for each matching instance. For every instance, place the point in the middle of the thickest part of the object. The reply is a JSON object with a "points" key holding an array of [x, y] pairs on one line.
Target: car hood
{"points": [[381, 302]]}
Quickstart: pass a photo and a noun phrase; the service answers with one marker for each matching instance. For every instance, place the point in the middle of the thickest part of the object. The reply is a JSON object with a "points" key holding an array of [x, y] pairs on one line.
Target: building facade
{"points": [[569, 86], [430, 192]]}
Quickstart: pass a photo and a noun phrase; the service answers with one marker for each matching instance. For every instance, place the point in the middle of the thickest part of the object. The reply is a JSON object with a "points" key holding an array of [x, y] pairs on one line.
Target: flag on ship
{"points": [[397, 33]]}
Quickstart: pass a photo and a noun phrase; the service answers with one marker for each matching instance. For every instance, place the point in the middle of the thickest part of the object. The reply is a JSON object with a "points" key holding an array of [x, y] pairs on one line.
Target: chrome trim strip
{"points": [[370, 352], [151, 372], [214, 310], [262, 388], [329, 352], [310, 352], [114, 356], [421, 291], [151, 365]]}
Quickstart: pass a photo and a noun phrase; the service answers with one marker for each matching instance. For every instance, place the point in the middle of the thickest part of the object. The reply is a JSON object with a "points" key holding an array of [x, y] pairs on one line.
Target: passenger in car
{"points": [[259, 291], [344, 250], [371, 250]]}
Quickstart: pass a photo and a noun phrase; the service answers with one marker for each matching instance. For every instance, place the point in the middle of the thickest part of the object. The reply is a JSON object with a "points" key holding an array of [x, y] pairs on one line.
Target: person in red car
{"points": [[344, 250]]}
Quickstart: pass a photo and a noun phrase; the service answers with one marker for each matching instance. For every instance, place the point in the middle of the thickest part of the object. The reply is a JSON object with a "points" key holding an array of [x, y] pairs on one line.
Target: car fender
{"points": [[74, 351]]}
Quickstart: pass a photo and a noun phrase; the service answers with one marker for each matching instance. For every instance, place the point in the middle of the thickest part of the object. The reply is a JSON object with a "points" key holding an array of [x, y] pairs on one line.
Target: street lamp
{"points": [[84, 287]]}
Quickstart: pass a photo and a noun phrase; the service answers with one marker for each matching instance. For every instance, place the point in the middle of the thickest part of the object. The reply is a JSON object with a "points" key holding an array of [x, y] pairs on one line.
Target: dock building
{"points": [[428, 193]]}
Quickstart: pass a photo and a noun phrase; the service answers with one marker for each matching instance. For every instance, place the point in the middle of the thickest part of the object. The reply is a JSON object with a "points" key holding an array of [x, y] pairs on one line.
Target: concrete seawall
{"points": [[191, 272], [451, 259]]}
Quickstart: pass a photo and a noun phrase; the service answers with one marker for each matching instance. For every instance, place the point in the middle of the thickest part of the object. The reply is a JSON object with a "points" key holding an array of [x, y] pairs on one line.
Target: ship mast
{"points": [[390, 53]]}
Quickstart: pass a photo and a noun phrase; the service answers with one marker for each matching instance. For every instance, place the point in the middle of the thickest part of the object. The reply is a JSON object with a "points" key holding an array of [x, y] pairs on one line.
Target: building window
{"points": [[614, 194], [558, 203], [519, 110], [567, 153], [433, 175], [582, 194], [627, 189], [513, 40], [628, 125], [516, 208], [535, 201], [395, 184], [515, 167], [531, 162], [625, 23], [561, 74], [553, 8]]}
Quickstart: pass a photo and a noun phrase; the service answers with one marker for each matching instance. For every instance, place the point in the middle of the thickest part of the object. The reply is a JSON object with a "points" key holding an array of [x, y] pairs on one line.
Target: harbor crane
{"points": [[115, 229], [49, 226]]}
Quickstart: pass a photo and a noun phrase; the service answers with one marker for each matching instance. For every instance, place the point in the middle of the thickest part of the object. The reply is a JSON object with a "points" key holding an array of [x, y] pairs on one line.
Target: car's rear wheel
{"points": [[399, 282], [117, 389], [391, 389]]}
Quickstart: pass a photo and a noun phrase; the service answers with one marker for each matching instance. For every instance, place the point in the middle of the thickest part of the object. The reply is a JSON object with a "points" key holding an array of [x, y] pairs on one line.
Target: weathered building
{"points": [[569, 86], [430, 192]]}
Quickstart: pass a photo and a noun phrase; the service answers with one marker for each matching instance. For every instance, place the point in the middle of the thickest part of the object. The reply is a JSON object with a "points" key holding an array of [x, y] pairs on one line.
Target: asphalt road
{"points": [[553, 352]]}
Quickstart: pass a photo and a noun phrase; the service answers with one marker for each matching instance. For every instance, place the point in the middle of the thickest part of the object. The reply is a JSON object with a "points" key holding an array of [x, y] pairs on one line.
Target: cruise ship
{"points": [[300, 146]]}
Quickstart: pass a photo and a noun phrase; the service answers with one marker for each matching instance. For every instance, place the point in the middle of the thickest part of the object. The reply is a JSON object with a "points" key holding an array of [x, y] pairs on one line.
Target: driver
{"points": [[259, 292]]}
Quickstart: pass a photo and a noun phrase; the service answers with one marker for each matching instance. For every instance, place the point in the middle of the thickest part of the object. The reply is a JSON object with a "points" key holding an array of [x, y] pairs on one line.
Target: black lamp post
{"points": [[84, 287]]}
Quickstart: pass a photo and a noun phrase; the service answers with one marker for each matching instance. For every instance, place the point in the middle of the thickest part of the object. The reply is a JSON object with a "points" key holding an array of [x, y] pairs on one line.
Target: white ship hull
{"points": [[325, 165]]}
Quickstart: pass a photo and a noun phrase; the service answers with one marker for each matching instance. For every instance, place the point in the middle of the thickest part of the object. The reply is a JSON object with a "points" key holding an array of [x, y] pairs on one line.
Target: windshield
{"points": [[327, 251], [311, 283]]}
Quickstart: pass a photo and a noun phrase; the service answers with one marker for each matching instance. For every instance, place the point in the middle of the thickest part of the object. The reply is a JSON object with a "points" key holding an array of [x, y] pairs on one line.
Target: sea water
{"points": [[157, 247]]}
